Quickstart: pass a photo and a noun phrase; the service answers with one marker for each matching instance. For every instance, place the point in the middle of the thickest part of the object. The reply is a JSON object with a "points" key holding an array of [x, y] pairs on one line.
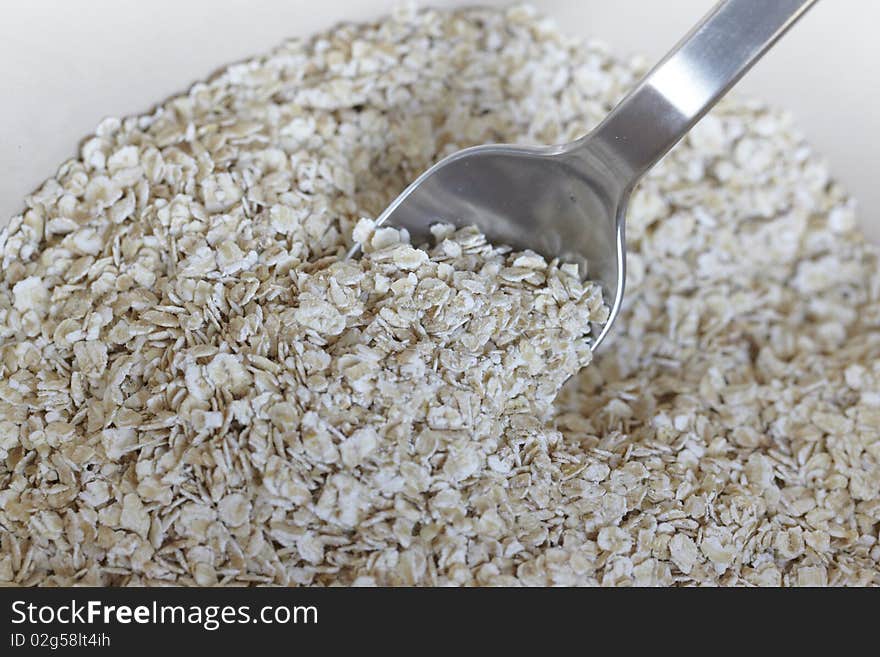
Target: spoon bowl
{"points": [[555, 200]]}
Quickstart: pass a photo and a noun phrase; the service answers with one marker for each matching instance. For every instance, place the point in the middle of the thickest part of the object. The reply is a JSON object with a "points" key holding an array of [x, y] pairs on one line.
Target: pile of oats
{"points": [[196, 387]]}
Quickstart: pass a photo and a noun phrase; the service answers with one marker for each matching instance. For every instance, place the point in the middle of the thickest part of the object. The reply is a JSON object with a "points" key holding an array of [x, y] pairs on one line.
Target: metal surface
{"points": [[570, 200]]}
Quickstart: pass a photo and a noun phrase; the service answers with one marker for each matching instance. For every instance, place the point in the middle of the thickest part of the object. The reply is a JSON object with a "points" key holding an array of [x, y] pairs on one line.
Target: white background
{"points": [[65, 64]]}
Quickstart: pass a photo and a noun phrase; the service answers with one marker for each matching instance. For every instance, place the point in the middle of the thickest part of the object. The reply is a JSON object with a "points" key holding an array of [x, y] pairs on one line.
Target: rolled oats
{"points": [[196, 387]]}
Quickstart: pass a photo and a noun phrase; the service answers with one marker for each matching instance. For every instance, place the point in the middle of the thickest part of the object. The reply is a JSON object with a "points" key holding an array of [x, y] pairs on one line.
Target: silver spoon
{"points": [[570, 200]]}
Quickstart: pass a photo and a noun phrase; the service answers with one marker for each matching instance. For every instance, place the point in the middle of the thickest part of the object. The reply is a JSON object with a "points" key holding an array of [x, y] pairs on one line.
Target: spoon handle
{"points": [[689, 80]]}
